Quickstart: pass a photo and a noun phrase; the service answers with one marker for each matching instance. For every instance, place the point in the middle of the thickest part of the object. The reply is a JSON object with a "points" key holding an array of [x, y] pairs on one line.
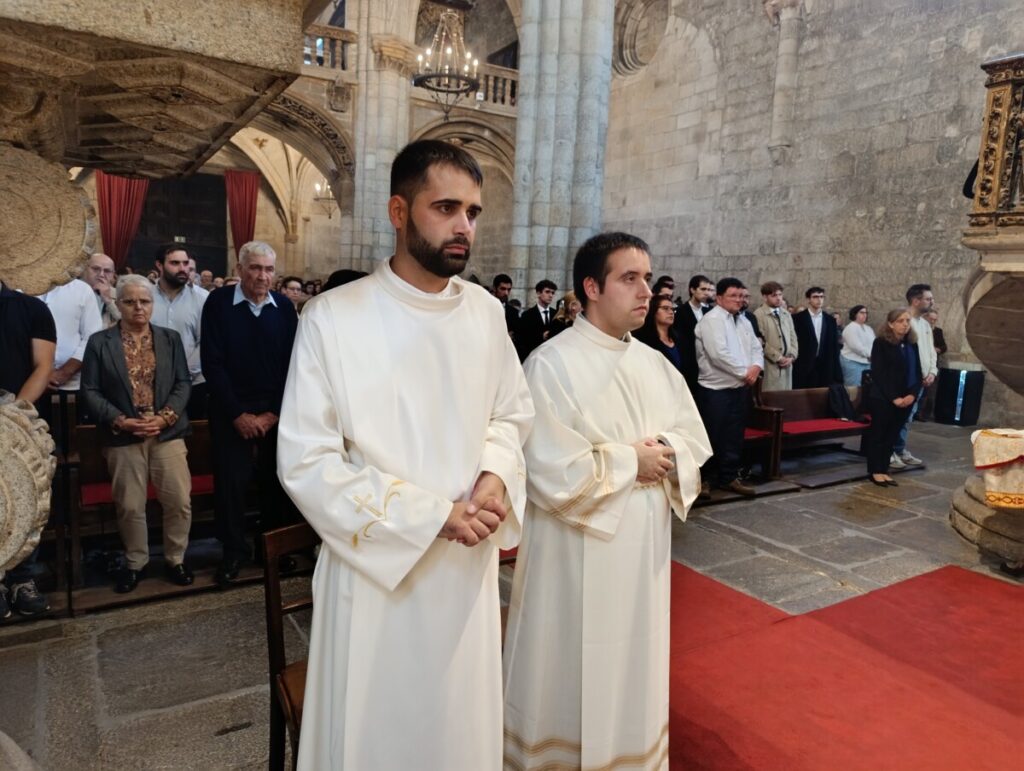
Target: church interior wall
{"points": [[868, 199]]}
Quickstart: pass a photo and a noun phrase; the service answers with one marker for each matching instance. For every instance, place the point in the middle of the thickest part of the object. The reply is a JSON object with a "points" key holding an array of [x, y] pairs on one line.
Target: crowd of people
{"points": [[420, 437]]}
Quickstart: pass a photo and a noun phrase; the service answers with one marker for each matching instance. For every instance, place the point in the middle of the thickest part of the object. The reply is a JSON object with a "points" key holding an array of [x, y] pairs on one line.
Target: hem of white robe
{"points": [[555, 753]]}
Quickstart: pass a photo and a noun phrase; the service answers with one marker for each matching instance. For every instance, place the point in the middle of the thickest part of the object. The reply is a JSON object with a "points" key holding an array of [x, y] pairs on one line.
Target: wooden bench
{"points": [[91, 491], [806, 419]]}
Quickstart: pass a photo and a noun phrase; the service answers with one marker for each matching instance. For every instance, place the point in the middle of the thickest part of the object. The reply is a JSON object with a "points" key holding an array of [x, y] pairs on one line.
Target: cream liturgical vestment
{"points": [[396, 401], [587, 649]]}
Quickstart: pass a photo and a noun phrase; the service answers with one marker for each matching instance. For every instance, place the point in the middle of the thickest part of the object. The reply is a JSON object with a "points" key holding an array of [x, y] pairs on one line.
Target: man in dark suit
{"points": [[502, 287], [247, 335], [534, 324], [817, 365], [687, 315]]}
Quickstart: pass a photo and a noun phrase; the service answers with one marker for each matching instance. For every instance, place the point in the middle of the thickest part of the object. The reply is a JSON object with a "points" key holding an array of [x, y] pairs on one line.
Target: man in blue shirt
{"points": [[247, 333]]}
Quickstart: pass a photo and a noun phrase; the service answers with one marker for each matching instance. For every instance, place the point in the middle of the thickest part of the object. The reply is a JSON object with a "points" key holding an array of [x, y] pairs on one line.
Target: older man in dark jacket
{"points": [[136, 383]]}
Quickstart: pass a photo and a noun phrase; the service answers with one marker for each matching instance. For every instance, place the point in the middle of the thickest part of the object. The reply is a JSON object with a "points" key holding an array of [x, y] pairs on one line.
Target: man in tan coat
{"points": [[780, 346]]}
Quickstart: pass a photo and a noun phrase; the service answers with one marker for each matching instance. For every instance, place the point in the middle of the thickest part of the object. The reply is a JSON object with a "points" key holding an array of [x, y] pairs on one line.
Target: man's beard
{"points": [[433, 258], [175, 279]]}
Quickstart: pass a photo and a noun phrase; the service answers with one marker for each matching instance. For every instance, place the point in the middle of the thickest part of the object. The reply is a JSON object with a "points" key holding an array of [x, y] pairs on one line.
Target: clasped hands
{"points": [[143, 427], [654, 461], [903, 401], [251, 426], [471, 522]]}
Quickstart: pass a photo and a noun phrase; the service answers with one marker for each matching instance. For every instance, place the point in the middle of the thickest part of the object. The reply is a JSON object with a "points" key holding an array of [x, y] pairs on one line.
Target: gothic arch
{"points": [[479, 137]]}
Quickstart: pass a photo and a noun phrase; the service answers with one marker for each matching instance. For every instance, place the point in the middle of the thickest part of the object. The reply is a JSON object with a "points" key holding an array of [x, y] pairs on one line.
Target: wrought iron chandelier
{"points": [[447, 69]]}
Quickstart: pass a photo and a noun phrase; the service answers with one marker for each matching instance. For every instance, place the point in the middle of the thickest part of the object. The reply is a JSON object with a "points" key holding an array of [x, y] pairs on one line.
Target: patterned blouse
{"points": [[140, 361]]}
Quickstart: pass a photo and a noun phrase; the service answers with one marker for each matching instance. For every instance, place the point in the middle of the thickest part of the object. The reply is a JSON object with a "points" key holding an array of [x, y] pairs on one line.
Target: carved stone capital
{"points": [[773, 9], [394, 53]]}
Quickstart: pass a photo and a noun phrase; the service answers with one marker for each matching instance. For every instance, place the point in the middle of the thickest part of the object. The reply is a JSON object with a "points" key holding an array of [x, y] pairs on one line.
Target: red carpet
{"points": [[925, 674]]}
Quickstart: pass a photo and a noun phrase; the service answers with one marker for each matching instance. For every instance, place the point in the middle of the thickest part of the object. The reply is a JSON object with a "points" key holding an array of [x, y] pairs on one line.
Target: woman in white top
{"points": [[858, 337]]}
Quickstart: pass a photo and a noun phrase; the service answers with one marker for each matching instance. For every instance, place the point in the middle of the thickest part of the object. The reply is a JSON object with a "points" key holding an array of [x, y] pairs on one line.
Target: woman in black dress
{"points": [[896, 379]]}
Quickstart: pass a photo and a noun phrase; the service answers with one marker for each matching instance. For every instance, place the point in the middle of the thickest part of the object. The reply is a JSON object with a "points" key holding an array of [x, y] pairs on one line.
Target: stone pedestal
{"points": [[999, 531]]}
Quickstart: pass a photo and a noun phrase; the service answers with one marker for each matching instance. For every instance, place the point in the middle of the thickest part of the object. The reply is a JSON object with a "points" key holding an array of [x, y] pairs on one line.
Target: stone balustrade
{"points": [[499, 86], [331, 48]]}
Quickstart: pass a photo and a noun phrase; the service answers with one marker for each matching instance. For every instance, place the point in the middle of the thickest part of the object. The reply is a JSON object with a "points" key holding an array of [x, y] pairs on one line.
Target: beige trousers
{"points": [[164, 464]]}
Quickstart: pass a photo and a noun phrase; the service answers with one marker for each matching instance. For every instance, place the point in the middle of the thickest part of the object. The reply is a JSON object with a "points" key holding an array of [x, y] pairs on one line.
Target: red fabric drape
{"points": [[120, 200], [242, 187]]}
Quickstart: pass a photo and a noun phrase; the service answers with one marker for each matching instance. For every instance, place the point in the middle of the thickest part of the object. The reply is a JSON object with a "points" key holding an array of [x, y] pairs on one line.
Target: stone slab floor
{"points": [[181, 684]]}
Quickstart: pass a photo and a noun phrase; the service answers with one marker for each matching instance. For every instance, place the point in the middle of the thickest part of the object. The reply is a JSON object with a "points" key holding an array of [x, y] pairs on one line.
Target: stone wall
{"points": [[866, 201]]}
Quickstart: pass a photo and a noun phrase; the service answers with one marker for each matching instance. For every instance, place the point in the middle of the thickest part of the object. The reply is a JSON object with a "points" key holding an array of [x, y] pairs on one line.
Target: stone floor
{"points": [[181, 684]]}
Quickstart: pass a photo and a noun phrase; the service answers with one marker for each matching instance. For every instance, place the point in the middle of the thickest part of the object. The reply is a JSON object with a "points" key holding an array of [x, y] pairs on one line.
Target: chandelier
{"points": [[446, 69], [325, 197]]}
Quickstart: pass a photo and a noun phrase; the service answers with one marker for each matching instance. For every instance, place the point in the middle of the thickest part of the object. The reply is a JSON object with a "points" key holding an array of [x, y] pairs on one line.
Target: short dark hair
{"points": [[164, 249], [916, 291], [288, 279], [592, 259], [410, 167], [342, 277], [855, 310], [500, 279], [696, 281], [771, 287], [662, 282], [727, 283], [814, 290], [546, 283]]}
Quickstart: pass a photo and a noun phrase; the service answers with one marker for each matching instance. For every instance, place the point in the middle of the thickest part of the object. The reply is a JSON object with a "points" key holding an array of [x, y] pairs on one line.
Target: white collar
{"points": [[241, 298]]}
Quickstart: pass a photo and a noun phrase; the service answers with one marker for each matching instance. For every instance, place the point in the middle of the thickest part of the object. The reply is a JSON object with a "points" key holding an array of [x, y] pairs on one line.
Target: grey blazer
{"points": [[108, 393]]}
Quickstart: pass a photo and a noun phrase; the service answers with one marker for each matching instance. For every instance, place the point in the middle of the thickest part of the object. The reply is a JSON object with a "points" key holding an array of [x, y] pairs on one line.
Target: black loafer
{"points": [[879, 482], [180, 575], [227, 573], [892, 483], [127, 579]]}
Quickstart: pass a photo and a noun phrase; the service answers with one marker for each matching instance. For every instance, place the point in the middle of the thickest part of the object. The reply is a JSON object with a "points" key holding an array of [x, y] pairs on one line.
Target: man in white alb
{"points": [[400, 440], [615, 450]]}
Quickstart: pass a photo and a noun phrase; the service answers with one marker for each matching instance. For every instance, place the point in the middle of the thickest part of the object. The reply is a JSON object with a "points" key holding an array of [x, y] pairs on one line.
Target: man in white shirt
{"points": [[178, 305], [77, 317], [99, 274], [780, 343], [921, 301], [731, 359], [402, 446]]}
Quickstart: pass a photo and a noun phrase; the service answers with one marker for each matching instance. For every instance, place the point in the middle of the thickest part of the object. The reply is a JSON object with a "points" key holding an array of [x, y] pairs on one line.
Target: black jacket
{"points": [[889, 371], [530, 330], [108, 393], [684, 327], [816, 367]]}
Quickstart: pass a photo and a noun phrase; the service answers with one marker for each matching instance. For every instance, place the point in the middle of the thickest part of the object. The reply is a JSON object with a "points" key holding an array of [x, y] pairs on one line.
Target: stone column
{"points": [[385, 56], [787, 15], [561, 126]]}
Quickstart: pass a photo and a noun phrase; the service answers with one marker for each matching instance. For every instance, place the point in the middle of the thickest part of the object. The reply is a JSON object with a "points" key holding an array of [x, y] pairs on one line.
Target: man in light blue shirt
{"points": [[178, 305]]}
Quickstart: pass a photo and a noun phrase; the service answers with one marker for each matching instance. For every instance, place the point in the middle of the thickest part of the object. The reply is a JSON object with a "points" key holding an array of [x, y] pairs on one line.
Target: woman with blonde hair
{"points": [[896, 380]]}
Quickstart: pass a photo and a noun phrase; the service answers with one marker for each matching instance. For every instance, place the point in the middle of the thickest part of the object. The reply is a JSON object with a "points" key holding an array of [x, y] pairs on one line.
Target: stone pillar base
{"points": [[999, 531]]}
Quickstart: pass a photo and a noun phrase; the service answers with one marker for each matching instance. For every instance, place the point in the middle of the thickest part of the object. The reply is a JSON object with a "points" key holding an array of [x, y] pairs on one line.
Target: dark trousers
{"points": [[23, 571], [880, 437], [197, 402], [725, 415], [235, 460]]}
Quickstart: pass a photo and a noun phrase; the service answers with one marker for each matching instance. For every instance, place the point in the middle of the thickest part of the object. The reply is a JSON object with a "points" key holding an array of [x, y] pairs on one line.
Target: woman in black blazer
{"points": [[659, 333], [896, 379]]}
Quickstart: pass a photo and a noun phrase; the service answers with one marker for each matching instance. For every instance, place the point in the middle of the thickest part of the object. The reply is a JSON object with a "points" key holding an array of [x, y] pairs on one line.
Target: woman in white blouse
{"points": [[855, 357]]}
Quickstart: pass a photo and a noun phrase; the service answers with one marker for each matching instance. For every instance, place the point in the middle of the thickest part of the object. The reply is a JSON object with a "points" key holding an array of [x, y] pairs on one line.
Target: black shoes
{"points": [[5, 607], [180, 575], [227, 573], [740, 488], [705, 492], [127, 579]]}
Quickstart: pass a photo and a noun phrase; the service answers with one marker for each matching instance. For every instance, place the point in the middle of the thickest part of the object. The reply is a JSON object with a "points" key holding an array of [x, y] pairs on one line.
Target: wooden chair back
{"points": [[287, 681]]}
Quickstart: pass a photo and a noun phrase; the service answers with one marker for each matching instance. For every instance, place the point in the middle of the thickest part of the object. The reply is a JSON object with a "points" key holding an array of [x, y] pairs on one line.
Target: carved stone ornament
{"points": [[49, 225], [639, 27], [291, 112], [773, 9], [394, 53], [28, 467], [339, 96]]}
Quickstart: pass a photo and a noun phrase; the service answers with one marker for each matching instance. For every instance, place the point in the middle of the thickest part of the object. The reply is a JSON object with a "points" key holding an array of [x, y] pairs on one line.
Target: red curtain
{"points": [[120, 200], [242, 187]]}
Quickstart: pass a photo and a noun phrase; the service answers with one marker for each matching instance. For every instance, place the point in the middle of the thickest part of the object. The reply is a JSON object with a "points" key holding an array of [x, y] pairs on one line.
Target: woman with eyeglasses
{"points": [[657, 330], [136, 383]]}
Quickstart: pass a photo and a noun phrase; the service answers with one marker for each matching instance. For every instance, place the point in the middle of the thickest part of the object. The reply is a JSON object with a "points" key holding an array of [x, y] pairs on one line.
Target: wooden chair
{"points": [[287, 681]]}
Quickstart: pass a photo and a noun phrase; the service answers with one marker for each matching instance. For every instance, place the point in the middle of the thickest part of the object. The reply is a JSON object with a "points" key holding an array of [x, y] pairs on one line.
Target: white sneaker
{"points": [[895, 462], [909, 459]]}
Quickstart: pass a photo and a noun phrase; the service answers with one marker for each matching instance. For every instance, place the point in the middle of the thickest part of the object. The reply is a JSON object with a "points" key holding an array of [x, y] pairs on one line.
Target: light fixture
{"points": [[446, 69], [324, 197]]}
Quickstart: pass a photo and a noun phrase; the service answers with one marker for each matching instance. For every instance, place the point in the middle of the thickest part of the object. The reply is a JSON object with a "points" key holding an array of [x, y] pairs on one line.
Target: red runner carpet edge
{"points": [[927, 673]]}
